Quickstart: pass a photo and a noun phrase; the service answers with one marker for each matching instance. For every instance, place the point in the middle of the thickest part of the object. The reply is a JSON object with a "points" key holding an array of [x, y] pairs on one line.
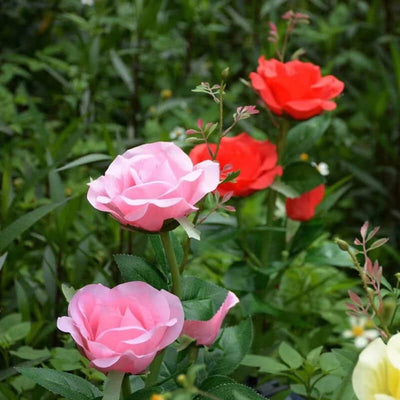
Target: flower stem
{"points": [[271, 200], [155, 369], [112, 386], [173, 265], [368, 293]]}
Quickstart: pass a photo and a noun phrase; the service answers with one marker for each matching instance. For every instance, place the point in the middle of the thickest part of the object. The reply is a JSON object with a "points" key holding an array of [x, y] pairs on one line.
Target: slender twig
{"points": [[368, 292]]}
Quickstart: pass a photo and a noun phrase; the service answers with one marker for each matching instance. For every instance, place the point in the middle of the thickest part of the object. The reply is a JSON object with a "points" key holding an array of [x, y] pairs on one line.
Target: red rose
{"points": [[255, 159], [296, 88], [302, 208]]}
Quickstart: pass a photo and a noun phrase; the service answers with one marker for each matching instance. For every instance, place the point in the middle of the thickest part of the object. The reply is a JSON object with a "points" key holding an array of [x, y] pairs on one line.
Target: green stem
{"points": [[368, 293], [155, 369], [112, 386], [126, 387], [271, 200], [173, 265]]}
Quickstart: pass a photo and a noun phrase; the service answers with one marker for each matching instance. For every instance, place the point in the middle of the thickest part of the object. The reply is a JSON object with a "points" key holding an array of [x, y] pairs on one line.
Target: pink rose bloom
{"points": [[152, 183], [205, 332], [123, 328]]}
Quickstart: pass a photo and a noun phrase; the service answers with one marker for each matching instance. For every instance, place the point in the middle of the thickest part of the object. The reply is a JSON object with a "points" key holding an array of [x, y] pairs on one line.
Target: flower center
{"points": [[357, 330]]}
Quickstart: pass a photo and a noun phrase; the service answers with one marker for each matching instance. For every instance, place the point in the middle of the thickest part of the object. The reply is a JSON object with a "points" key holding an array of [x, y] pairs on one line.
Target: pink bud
{"points": [[205, 332], [289, 15], [200, 123], [357, 242], [364, 229], [229, 208], [191, 132], [355, 298]]}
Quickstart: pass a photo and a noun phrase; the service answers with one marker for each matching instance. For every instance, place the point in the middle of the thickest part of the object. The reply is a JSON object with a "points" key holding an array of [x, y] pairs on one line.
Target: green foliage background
{"points": [[80, 84]]}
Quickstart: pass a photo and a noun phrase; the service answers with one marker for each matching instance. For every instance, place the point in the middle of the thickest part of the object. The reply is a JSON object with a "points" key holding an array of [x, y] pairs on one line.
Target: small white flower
{"points": [[360, 332], [87, 2], [178, 133], [322, 168]]}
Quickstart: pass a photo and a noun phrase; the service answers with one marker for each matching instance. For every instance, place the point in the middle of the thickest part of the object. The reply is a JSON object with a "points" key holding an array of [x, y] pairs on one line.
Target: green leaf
{"points": [[302, 177], [366, 178], [177, 246], [122, 69], [329, 363], [145, 393], [201, 299], [314, 355], [62, 383], [232, 391], [214, 381], [328, 384], [29, 353], [290, 356], [235, 342], [328, 253], [68, 291], [89, 158], [266, 364], [304, 135], [23, 223], [159, 252], [134, 268], [65, 359], [284, 189]]}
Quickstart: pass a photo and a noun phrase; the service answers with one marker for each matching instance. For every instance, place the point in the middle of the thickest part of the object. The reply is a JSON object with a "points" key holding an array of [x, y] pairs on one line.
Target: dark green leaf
{"points": [[201, 299], [232, 391], [235, 342], [23, 223], [304, 135], [62, 383], [302, 177], [136, 269]]}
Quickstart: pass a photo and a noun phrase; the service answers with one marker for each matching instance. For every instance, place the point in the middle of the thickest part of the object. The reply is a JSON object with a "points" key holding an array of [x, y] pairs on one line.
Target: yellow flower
{"points": [[377, 375], [166, 93], [360, 332], [157, 397], [304, 157]]}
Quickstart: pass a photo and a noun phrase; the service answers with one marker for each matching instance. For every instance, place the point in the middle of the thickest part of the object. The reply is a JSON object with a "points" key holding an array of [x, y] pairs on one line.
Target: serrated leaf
{"points": [[62, 383], [290, 356], [235, 342], [201, 299], [134, 268], [231, 391]]}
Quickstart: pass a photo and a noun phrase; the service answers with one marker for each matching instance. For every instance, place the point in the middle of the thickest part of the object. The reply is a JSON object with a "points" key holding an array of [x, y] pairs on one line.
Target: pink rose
{"points": [[152, 183], [205, 332], [123, 328]]}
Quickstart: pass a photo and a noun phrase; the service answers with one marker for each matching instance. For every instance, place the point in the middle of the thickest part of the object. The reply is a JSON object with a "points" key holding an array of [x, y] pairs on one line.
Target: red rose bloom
{"points": [[255, 159], [302, 208], [296, 88]]}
